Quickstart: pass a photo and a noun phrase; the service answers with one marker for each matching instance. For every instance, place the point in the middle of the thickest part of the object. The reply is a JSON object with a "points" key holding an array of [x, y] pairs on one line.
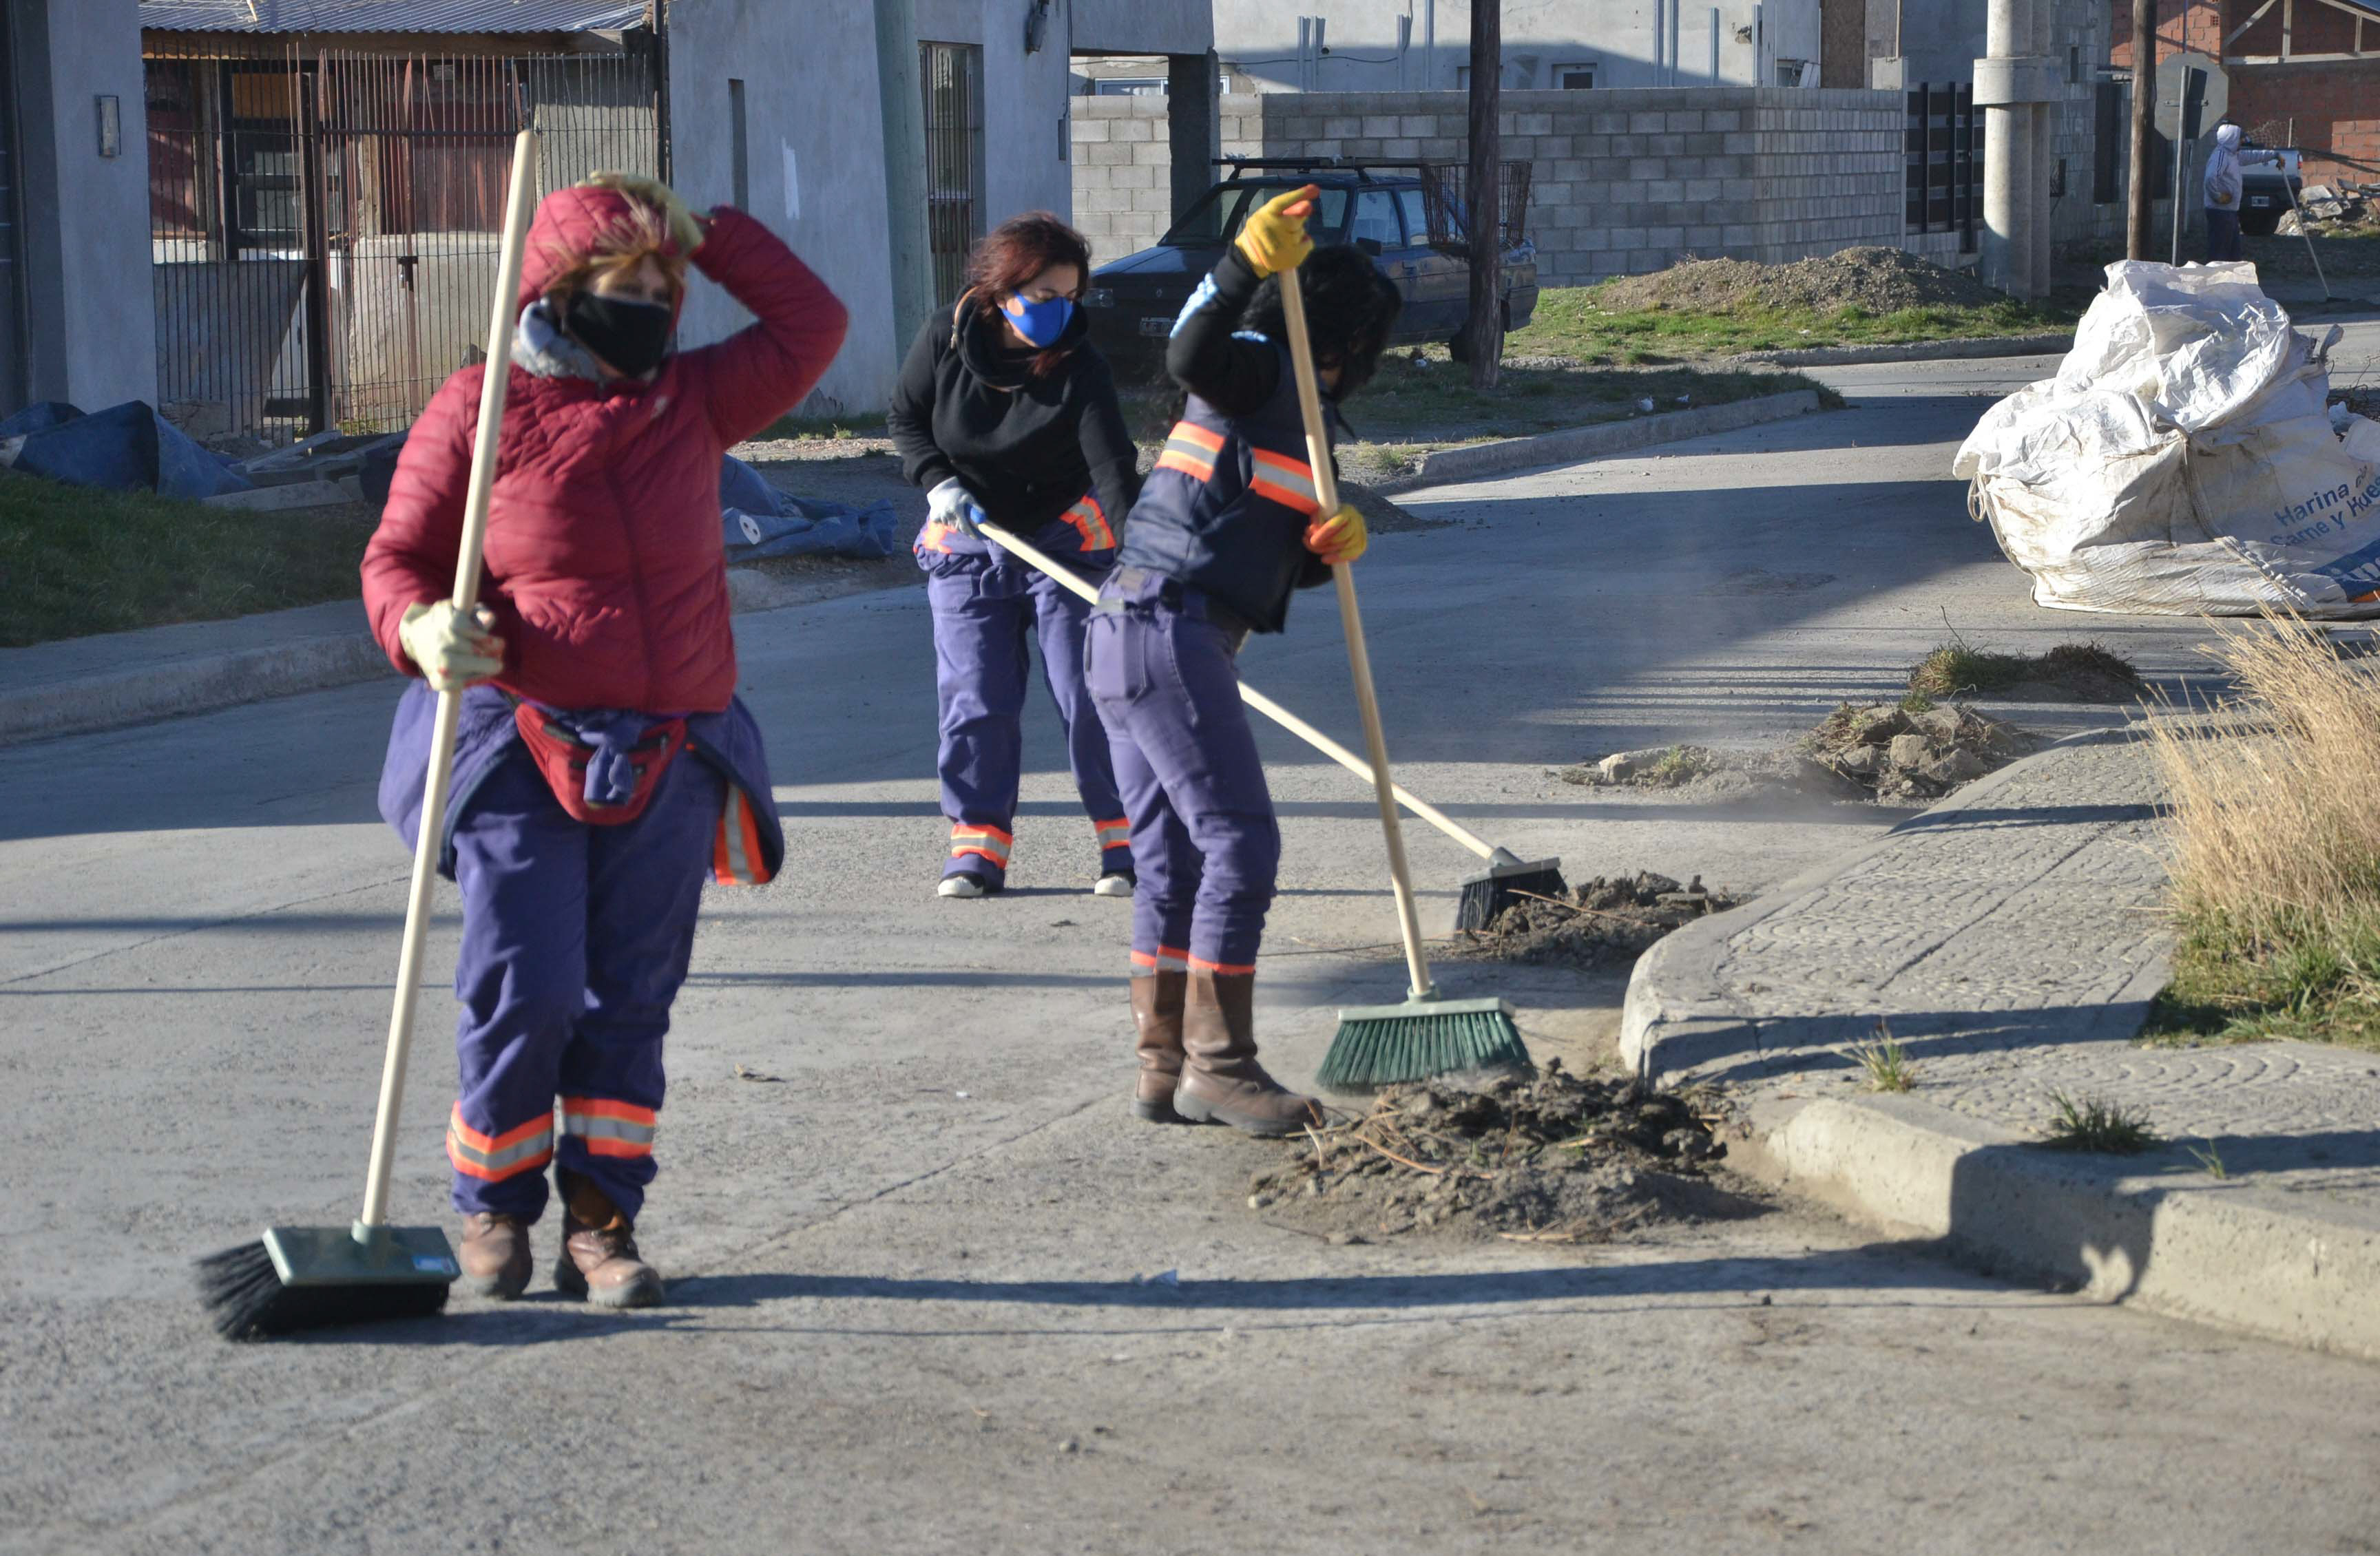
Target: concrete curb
{"points": [[1610, 438], [90, 704], [2301, 1269], [210, 682], [1912, 351]]}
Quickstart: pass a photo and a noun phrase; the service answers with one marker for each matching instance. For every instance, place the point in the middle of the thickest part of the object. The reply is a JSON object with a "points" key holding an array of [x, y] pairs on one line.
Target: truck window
{"points": [[1417, 217], [1376, 219]]}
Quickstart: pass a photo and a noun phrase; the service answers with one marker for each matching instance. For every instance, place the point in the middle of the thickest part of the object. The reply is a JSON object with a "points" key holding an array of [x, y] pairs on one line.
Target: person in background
{"points": [[1005, 411], [604, 765], [1228, 528], [2223, 192]]}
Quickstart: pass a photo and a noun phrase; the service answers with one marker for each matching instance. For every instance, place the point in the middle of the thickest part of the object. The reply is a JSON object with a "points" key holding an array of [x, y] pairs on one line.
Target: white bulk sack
{"points": [[2183, 461]]}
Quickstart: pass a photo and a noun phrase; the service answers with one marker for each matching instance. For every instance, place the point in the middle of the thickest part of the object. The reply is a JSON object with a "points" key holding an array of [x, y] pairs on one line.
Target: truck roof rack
{"points": [[1361, 167]]}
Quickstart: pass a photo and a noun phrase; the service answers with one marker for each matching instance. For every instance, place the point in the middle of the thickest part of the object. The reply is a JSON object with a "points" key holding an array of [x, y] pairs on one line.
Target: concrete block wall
{"points": [[1122, 199]]}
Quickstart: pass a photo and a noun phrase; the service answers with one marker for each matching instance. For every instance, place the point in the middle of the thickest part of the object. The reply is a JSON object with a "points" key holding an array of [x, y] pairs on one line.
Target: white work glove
{"points": [[452, 653], [952, 504]]}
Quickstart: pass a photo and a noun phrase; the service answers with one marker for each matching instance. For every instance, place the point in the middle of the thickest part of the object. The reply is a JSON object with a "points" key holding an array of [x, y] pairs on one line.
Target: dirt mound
{"points": [[1381, 516], [1714, 777], [1903, 755], [1605, 922], [1544, 1157], [1879, 281]]}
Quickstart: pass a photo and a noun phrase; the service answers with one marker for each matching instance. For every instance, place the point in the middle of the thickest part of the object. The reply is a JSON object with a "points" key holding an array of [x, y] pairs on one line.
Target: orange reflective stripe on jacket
{"points": [[1090, 523], [1191, 449], [1287, 481], [737, 857]]}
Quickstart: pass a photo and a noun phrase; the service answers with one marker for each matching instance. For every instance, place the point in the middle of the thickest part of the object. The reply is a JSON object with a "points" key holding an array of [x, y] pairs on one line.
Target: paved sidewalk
{"points": [[2009, 939]]}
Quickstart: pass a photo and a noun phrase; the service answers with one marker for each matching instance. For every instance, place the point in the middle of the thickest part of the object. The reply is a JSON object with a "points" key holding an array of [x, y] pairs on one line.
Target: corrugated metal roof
{"points": [[391, 16]]}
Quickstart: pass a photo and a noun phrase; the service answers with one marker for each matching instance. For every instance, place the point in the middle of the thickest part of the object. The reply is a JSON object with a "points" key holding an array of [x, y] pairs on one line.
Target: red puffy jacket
{"points": [[606, 567]]}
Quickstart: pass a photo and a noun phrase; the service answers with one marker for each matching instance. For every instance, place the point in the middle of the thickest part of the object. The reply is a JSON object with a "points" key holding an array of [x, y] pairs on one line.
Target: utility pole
{"points": [[902, 106], [2136, 220], [1484, 333]]}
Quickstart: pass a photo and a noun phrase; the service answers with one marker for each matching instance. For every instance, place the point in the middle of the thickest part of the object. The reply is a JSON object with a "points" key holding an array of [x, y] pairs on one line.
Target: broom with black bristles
{"points": [[1381, 1044], [317, 1277]]}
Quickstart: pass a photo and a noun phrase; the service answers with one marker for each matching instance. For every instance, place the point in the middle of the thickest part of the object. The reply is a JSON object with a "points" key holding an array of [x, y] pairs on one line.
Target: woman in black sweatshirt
{"points": [[1005, 412]]}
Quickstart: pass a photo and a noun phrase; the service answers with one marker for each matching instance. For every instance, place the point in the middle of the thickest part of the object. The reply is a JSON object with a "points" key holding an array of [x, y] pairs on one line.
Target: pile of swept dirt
{"points": [[1900, 757], [1714, 777], [1879, 281], [1544, 1157], [1608, 922], [1381, 516]]}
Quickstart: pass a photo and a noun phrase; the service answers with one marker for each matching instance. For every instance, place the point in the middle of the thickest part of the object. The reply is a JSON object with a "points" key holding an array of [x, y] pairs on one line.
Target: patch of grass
{"points": [[2209, 1160], [1680, 763], [1916, 702], [831, 428], [2275, 846], [2094, 1124], [1884, 1063], [76, 561], [1958, 670], [1580, 323]]}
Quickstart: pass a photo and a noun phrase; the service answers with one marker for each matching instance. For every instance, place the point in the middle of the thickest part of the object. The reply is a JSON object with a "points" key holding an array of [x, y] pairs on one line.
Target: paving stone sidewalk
{"points": [[2009, 939]]}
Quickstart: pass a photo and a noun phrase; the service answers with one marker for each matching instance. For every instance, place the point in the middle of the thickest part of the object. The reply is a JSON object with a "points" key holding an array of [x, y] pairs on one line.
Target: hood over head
{"points": [[573, 224], [2228, 136]]}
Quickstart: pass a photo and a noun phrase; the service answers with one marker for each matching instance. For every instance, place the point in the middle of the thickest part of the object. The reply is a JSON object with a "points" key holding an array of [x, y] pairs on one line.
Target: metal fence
{"points": [[952, 78], [325, 225], [1945, 148]]}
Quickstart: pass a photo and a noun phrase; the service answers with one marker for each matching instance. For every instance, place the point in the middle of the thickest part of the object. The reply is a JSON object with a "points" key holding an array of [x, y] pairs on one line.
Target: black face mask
{"points": [[632, 337]]}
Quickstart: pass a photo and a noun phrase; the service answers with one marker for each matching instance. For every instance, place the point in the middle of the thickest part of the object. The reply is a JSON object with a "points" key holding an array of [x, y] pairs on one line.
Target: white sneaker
{"points": [[961, 886], [1112, 886]]}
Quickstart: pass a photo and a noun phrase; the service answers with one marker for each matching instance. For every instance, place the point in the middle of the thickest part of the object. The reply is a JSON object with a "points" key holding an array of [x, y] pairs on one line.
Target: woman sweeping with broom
{"points": [[1005, 412], [1226, 529], [604, 765]]}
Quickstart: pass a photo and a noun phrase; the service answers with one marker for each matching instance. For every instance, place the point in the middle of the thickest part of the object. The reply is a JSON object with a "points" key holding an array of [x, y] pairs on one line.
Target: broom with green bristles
{"points": [[1378, 1045], [314, 1277]]}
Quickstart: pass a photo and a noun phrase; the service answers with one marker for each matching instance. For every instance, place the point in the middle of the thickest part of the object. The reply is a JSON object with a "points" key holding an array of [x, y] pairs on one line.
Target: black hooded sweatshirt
{"points": [[968, 406]]}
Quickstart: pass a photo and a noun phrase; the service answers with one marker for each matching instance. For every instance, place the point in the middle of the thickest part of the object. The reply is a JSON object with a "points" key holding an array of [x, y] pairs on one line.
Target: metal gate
{"points": [[951, 77], [325, 225], [1945, 154]]}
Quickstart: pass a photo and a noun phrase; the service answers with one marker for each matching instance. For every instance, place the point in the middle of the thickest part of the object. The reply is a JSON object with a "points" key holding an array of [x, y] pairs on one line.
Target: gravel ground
{"points": [[1879, 280]]}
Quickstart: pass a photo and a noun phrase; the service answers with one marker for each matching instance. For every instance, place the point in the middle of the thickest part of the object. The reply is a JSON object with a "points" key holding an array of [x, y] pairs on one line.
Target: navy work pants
{"points": [[1204, 841], [575, 941]]}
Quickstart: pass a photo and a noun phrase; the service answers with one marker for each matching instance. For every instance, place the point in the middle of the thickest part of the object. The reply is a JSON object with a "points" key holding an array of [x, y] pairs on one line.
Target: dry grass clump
{"points": [[2276, 837]]}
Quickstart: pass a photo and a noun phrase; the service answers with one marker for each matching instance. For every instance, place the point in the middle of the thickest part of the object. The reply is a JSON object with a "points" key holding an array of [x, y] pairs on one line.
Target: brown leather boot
{"points": [[1220, 1078], [1156, 1016], [599, 1251], [495, 1255]]}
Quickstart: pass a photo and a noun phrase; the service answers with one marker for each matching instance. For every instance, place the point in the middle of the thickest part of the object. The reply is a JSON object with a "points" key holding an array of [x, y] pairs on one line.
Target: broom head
{"points": [[320, 1277], [1497, 888], [1381, 1044]]}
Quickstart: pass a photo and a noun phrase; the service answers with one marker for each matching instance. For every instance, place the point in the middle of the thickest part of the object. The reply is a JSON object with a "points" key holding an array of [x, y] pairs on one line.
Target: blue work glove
{"points": [[951, 503]]}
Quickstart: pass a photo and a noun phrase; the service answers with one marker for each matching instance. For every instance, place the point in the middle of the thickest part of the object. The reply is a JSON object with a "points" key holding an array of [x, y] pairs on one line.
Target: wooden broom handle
{"points": [[1073, 582], [1359, 658], [428, 843]]}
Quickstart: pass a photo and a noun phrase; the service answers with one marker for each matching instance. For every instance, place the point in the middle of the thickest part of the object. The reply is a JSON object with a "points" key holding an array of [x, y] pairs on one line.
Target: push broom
{"points": [[316, 1277], [1508, 876], [1426, 1035]]}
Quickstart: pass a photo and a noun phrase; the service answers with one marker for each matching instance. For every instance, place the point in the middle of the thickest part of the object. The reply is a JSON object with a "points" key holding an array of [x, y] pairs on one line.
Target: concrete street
{"points": [[904, 1310]]}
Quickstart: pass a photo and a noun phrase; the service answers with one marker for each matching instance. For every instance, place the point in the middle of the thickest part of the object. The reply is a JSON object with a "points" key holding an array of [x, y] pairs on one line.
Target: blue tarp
{"points": [[763, 521], [124, 448]]}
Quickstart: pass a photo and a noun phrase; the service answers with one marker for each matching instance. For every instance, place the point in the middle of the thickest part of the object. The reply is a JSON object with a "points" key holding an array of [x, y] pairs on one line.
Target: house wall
{"points": [[1258, 38], [1622, 181], [85, 259]]}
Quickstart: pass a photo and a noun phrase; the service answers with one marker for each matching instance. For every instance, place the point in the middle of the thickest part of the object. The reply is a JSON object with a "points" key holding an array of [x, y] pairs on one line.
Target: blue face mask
{"points": [[1040, 323]]}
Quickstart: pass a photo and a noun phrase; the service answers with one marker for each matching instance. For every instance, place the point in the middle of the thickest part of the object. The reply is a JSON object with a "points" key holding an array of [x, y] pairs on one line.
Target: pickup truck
{"points": [[1133, 301]]}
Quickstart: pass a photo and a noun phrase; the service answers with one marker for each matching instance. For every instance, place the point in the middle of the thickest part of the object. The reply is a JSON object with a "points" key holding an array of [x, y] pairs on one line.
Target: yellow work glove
{"points": [[452, 653], [1340, 538], [1274, 237], [682, 227]]}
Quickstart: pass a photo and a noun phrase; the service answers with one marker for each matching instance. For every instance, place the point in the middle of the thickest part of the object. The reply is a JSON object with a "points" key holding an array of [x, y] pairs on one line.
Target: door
{"points": [[1439, 296], [953, 81], [1376, 227]]}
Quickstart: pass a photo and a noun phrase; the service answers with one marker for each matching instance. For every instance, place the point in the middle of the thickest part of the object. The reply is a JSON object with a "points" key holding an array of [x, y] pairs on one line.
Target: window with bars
{"points": [[952, 78]]}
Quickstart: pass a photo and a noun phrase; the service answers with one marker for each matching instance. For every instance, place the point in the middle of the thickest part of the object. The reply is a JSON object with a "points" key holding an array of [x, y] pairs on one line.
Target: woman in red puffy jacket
{"points": [[605, 764]]}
